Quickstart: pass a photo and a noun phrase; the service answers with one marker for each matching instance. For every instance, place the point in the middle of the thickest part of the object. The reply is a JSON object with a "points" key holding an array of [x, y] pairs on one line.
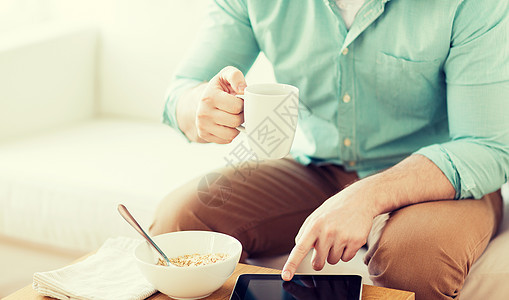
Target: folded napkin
{"points": [[111, 273]]}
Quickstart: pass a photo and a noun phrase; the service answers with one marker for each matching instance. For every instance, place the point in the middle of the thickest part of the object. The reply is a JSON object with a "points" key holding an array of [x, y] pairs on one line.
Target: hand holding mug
{"points": [[270, 112], [219, 111]]}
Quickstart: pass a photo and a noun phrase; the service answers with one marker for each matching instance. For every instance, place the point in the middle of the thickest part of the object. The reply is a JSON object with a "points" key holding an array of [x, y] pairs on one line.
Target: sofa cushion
{"points": [[62, 188], [489, 276]]}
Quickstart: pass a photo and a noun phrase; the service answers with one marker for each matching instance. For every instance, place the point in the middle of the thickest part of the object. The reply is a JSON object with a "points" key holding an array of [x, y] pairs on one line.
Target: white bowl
{"points": [[192, 282]]}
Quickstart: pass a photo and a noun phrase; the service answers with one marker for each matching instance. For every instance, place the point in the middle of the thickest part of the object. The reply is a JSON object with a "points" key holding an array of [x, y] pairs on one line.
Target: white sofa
{"points": [[65, 164]]}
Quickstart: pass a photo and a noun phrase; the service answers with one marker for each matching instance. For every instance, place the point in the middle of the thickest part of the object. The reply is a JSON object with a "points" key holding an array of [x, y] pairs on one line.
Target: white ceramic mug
{"points": [[270, 118]]}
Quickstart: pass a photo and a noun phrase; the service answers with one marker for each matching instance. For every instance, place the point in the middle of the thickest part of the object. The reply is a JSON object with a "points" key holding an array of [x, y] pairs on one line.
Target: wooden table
{"points": [[369, 292]]}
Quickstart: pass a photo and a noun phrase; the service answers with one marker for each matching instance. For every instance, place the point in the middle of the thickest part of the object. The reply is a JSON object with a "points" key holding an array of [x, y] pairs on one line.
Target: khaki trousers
{"points": [[427, 248]]}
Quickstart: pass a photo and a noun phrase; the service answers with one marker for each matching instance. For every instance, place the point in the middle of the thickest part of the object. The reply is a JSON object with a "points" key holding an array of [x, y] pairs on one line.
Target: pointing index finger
{"points": [[298, 253]]}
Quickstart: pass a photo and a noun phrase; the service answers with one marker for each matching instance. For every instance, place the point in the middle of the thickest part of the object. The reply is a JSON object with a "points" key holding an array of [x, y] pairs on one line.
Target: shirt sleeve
{"points": [[226, 39], [476, 159]]}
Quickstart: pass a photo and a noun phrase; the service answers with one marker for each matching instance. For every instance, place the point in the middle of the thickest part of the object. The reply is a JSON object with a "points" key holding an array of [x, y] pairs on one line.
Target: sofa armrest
{"points": [[47, 77]]}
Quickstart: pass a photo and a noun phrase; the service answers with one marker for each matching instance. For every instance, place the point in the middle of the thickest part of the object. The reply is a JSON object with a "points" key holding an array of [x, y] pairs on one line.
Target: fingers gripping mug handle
{"points": [[241, 128]]}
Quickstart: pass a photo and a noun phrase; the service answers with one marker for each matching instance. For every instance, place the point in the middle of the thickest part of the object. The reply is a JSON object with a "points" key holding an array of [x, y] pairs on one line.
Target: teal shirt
{"points": [[410, 76]]}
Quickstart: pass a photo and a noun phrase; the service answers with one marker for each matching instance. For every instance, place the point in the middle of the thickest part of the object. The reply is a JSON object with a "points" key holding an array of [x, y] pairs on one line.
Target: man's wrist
{"points": [[186, 112], [363, 193]]}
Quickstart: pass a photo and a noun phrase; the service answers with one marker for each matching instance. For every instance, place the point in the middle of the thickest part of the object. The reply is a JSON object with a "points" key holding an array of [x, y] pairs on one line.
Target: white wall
{"points": [[141, 44], [15, 14], [47, 78]]}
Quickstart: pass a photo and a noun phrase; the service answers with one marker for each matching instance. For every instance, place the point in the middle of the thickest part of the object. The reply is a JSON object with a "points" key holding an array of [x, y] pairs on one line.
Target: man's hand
{"points": [[211, 112], [340, 226], [336, 230], [219, 112]]}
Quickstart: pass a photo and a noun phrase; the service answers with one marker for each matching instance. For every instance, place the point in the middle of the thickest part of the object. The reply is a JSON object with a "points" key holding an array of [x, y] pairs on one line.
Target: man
{"points": [[406, 113]]}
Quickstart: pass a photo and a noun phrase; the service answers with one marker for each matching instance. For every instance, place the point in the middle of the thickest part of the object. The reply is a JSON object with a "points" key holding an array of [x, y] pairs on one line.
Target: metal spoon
{"points": [[132, 221]]}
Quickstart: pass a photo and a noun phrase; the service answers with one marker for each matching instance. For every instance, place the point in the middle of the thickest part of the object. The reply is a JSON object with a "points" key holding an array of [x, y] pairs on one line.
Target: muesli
{"points": [[194, 260]]}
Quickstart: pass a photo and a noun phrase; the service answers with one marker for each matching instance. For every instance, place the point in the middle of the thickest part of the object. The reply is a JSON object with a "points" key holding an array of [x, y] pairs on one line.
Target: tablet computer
{"points": [[301, 287]]}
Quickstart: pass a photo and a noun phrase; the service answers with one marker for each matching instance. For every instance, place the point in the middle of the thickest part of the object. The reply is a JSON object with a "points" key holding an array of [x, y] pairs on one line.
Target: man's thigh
{"points": [[263, 207], [429, 247]]}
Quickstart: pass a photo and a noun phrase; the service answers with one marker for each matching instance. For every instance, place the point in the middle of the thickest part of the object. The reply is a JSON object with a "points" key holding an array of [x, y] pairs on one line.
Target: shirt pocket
{"points": [[408, 88]]}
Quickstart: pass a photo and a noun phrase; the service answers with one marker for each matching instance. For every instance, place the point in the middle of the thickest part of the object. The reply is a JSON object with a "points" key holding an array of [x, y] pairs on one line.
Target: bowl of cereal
{"points": [[201, 262]]}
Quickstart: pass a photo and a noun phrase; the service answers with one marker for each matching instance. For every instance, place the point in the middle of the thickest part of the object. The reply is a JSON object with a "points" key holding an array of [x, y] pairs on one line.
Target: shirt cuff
{"points": [[443, 160]]}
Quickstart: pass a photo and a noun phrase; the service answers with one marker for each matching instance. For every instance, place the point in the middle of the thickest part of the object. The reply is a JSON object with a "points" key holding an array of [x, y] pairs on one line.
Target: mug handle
{"points": [[241, 128]]}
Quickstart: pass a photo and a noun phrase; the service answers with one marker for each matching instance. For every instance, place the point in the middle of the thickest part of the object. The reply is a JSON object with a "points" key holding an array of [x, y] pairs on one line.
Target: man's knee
{"points": [[418, 262], [178, 211]]}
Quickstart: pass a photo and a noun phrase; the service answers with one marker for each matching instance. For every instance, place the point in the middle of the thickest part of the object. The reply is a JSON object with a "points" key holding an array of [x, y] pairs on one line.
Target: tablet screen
{"points": [[301, 287]]}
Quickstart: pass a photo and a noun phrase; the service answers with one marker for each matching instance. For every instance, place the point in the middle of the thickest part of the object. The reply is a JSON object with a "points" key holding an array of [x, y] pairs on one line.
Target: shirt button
{"points": [[351, 163], [346, 98], [347, 142], [345, 51]]}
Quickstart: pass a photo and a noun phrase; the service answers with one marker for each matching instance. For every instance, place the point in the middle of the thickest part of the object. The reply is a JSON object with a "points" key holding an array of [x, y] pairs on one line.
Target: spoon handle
{"points": [[132, 221]]}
